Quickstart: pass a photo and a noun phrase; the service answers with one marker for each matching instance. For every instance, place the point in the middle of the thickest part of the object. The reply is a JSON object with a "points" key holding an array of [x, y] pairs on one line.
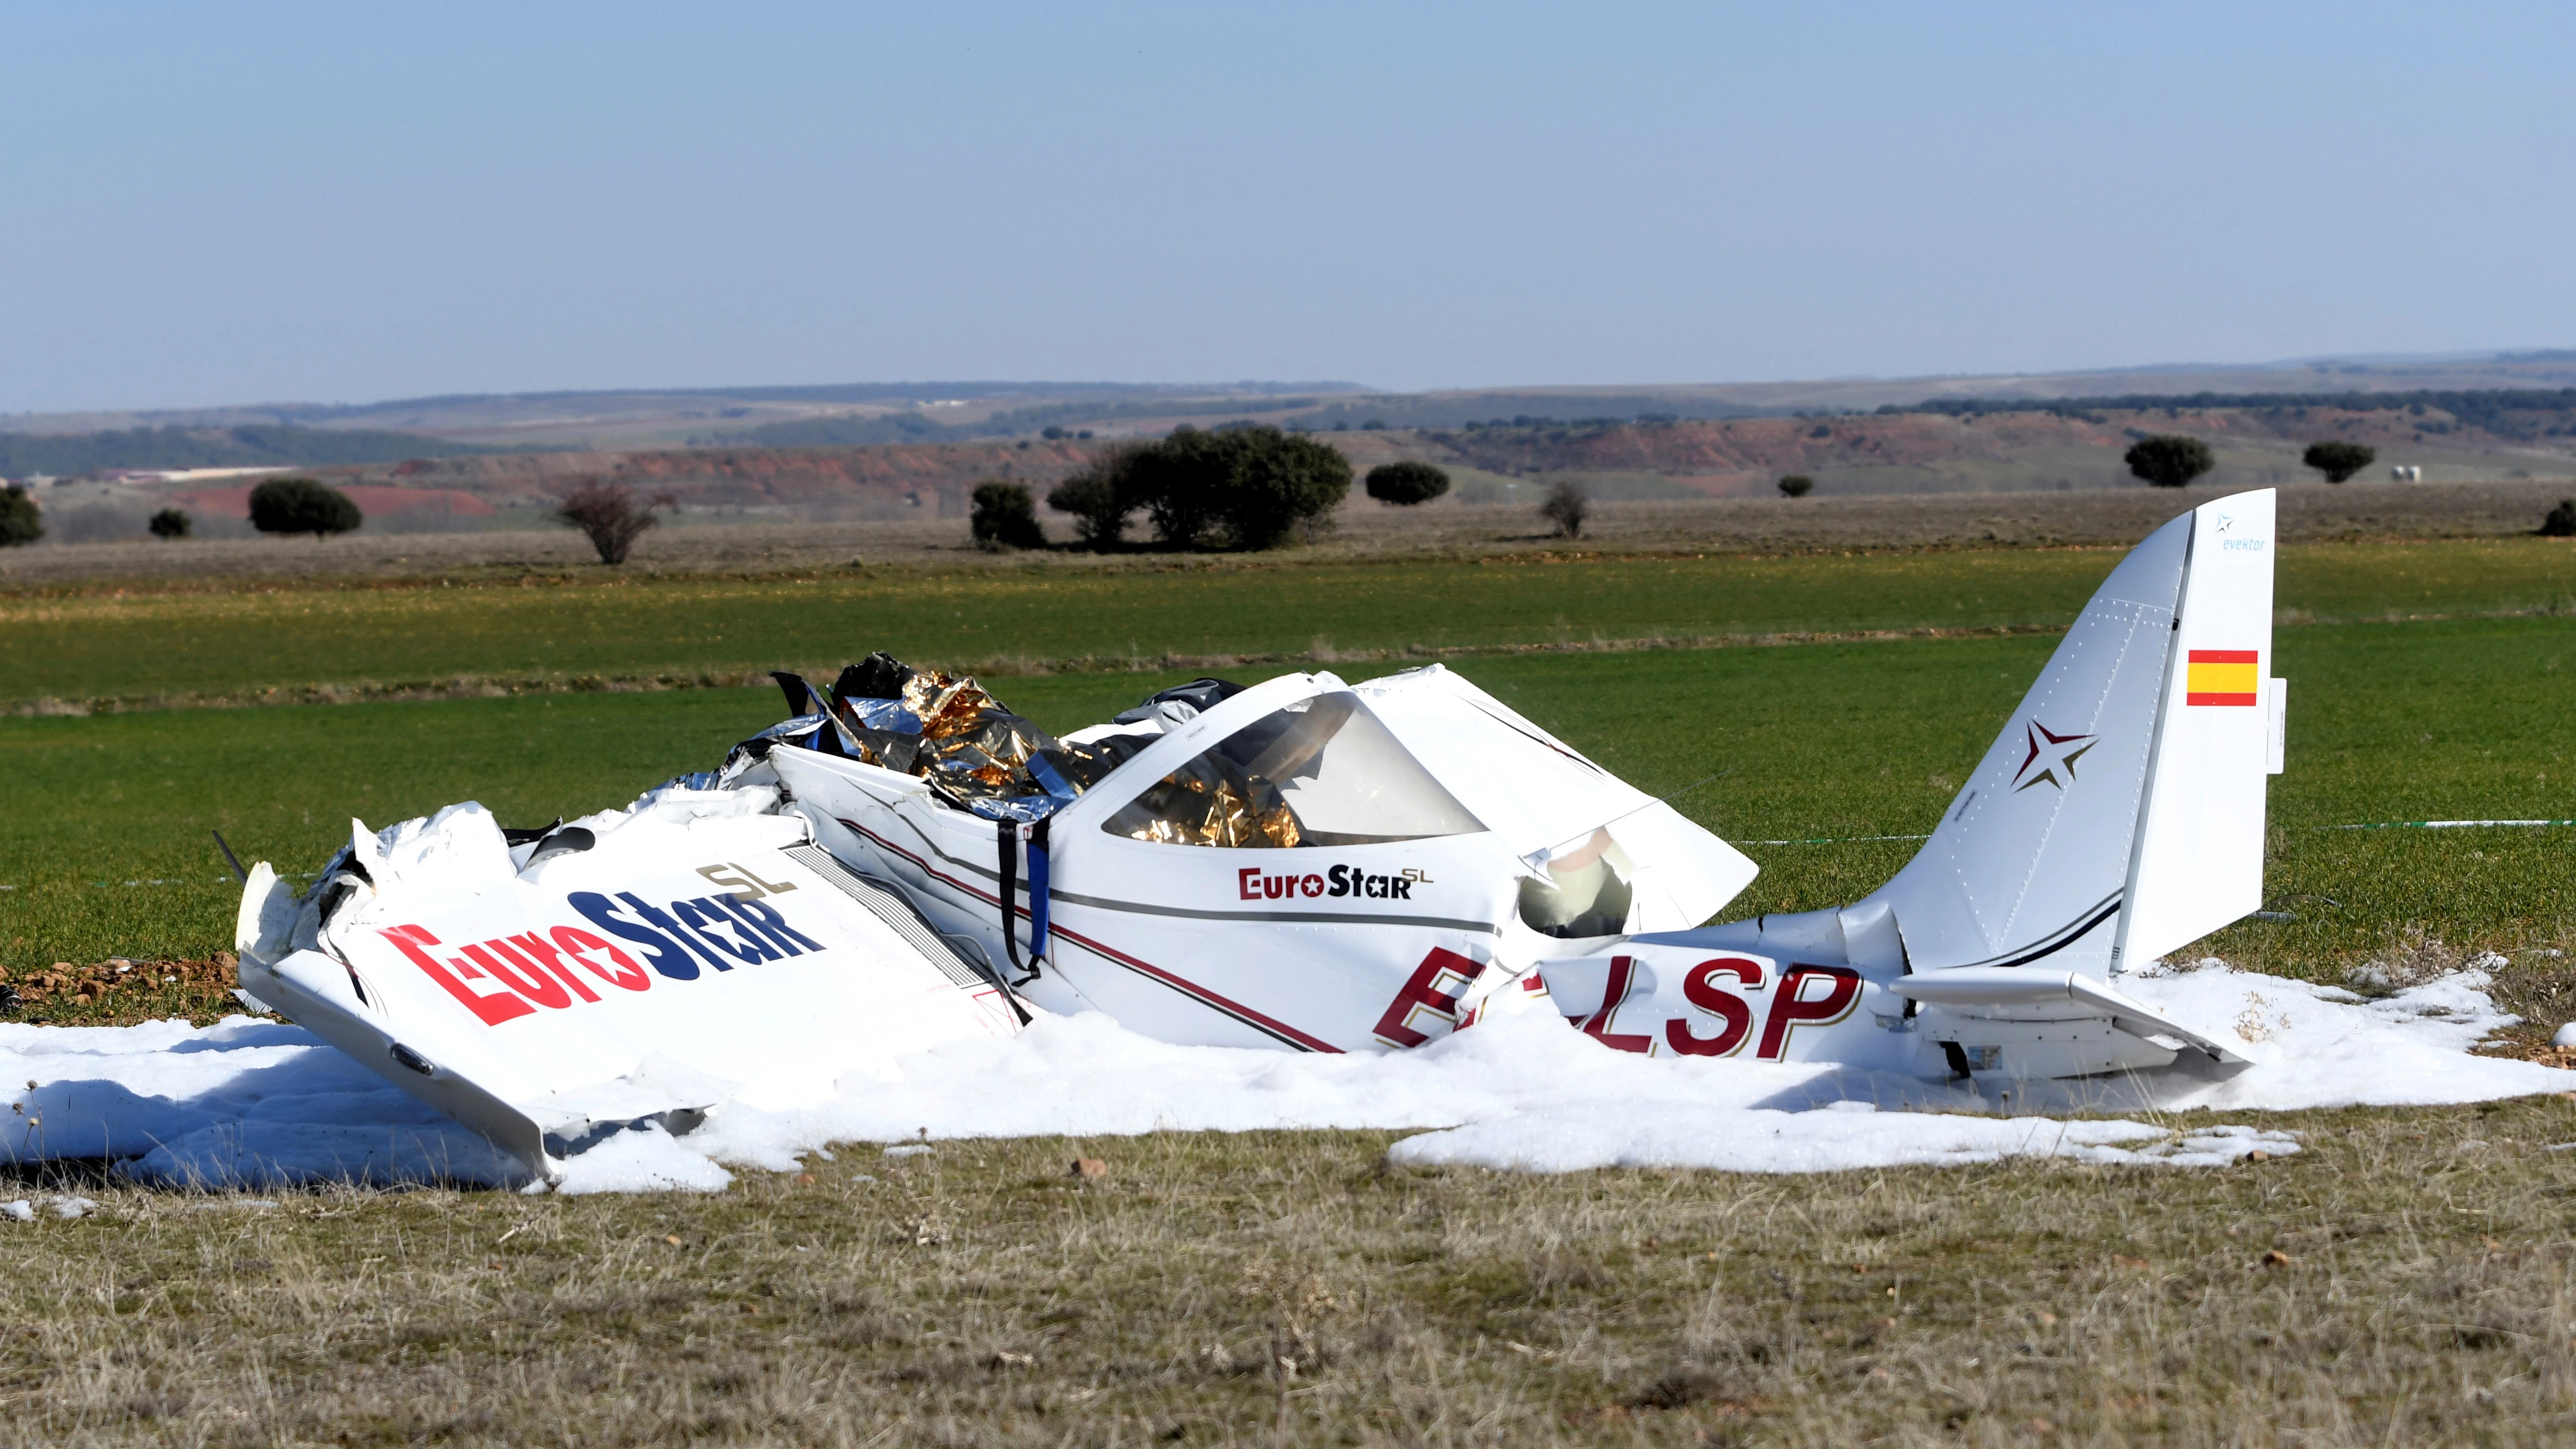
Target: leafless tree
{"points": [[1567, 507], [607, 515]]}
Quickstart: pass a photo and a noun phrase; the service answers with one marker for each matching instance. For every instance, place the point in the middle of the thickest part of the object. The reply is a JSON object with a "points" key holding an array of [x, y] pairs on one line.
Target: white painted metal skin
{"points": [[806, 915], [689, 955], [1202, 945], [2117, 817]]}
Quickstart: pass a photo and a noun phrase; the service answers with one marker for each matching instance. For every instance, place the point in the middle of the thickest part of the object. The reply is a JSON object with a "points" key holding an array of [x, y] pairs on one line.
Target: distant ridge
{"points": [[835, 392], [832, 415], [252, 446]]}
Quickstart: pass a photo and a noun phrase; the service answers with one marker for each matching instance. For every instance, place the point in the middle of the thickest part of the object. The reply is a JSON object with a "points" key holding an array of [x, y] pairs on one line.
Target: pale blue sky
{"points": [[203, 204]]}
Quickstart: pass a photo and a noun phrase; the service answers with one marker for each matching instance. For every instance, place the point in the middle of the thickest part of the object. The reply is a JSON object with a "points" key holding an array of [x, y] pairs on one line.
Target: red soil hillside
{"points": [[1864, 453], [374, 501], [850, 482], [1770, 445], [1726, 456]]}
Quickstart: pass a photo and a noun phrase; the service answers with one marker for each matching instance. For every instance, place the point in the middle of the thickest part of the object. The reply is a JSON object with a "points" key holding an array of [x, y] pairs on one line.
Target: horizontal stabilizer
{"points": [[1998, 990]]}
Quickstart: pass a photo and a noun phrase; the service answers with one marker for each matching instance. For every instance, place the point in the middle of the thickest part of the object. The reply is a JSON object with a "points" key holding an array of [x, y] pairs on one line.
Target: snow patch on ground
{"points": [[252, 1104]]}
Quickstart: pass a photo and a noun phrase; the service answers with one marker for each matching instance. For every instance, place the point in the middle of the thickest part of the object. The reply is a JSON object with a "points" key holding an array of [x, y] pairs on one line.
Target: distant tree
{"points": [[2339, 461], [20, 520], [1567, 507], [302, 505], [170, 523], [2561, 522], [1050, 433], [2168, 460], [1797, 485], [608, 516], [1406, 483], [1100, 497], [1180, 482], [1005, 516], [1244, 488], [1278, 483]]}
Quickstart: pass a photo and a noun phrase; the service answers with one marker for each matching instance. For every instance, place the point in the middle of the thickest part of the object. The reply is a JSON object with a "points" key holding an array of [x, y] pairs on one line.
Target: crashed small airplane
{"points": [[1302, 864]]}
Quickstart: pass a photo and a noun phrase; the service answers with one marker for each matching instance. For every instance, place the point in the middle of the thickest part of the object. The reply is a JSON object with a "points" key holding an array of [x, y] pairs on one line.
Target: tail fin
{"points": [[2120, 813], [2197, 861]]}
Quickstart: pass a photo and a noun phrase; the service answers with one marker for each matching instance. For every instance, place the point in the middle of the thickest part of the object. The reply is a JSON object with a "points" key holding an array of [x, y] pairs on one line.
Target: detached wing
{"points": [[690, 957]]}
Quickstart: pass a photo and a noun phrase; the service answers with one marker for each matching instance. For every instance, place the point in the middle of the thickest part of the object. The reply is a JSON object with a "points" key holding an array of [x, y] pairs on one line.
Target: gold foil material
{"points": [[970, 745], [1197, 805], [948, 707], [1280, 826], [972, 748]]}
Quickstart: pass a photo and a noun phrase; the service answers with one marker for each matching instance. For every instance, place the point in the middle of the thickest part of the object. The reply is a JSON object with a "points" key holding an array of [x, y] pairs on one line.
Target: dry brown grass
{"points": [[1363, 531], [2408, 1279], [122, 990]]}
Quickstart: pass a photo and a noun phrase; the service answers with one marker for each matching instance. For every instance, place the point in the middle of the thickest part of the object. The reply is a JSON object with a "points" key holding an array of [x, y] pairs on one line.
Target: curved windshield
{"points": [[1323, 771]]}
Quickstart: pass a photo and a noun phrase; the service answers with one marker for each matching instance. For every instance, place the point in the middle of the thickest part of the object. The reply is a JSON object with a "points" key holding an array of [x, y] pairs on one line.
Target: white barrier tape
{"points": [[2450, 824]]}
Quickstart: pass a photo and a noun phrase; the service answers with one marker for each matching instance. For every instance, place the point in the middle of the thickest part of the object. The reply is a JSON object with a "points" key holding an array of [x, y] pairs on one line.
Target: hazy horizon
{"points": [[303, 203], [1283, 387]]}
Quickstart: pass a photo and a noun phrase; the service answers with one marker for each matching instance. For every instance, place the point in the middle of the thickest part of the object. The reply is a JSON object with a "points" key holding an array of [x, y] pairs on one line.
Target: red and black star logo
{"points": [[2051, 752]]}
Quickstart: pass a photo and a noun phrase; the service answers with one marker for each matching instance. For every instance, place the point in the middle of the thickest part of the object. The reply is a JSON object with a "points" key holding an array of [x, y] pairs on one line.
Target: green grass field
{"points": [[2452, 719], [138, 645], [2407, 1279]]}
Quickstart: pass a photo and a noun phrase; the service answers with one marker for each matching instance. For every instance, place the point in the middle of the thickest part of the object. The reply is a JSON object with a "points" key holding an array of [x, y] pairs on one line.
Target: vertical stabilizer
{"points": [[2101, 787], [2197, 863]]}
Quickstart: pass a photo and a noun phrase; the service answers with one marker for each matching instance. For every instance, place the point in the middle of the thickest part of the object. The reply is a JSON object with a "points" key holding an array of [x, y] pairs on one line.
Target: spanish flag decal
{"points": [[2219, 676]]}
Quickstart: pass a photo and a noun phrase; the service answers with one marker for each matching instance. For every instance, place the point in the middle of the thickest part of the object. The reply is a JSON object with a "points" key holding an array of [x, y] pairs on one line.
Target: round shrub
{"points": [[302, 505], [1407, 483], [20, 520], [1005, 516]]}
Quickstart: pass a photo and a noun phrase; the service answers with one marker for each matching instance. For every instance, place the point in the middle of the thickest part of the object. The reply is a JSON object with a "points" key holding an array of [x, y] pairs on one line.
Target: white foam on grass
{"points": [[252, 1104], [1602, 1134], [642, 1159], [2320, 1046], [61, 1205]]}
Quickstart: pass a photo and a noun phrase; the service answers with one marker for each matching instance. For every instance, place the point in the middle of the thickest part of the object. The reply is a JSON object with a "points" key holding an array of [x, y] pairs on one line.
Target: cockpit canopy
{"points": [[1321, 770]]}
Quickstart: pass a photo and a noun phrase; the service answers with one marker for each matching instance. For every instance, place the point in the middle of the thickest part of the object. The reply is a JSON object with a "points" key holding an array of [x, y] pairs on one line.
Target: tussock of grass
{"points": [[2406, 1279]]}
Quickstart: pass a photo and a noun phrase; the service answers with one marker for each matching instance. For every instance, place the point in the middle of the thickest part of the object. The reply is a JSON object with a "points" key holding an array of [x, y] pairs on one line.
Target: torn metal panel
{"points": [[684, 956]]}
